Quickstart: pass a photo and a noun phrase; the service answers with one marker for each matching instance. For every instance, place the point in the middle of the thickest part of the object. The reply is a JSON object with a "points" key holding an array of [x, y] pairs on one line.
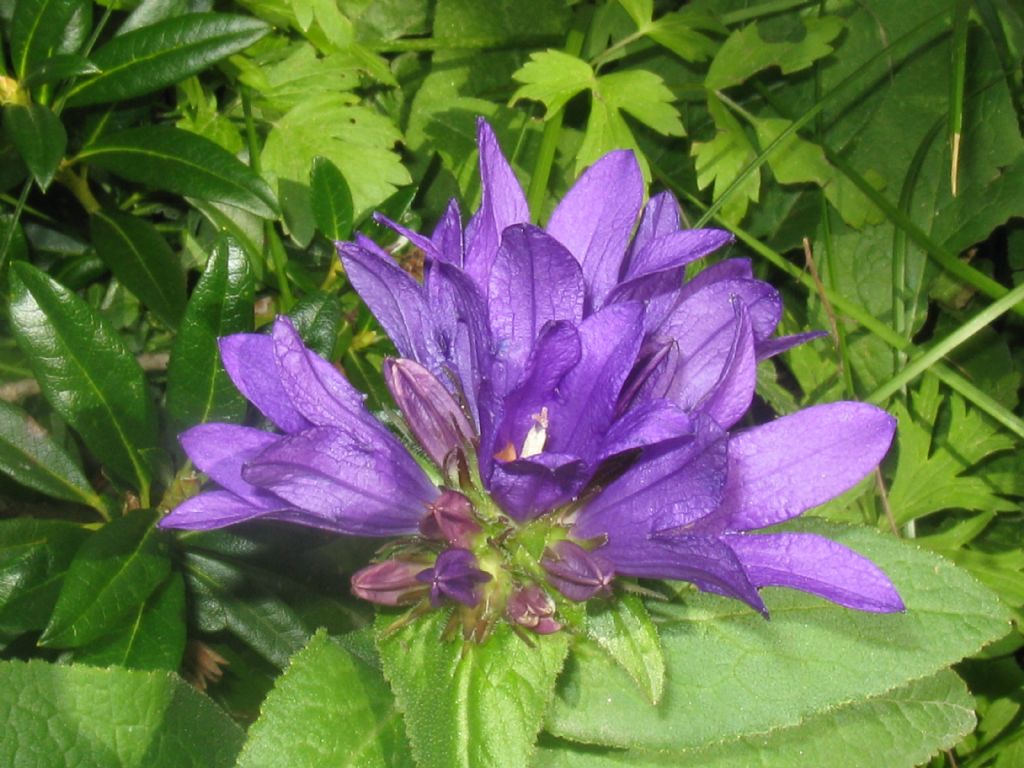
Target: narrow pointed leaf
{"points": [[112, 573], [184, 163], [37, 30], [152, 57], [86, 373], [60, 67], [30, 456], [39, 137], [348, 715], [469, 704], [68, 714], [141, 259], [332, 200], [198, 387]]}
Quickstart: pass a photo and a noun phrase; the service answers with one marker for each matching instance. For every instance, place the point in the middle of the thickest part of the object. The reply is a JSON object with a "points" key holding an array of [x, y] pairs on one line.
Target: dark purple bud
{"points": [[429, 409], [454, 576], [533, 608], [392, 582], [575, 572], [451, 519]]}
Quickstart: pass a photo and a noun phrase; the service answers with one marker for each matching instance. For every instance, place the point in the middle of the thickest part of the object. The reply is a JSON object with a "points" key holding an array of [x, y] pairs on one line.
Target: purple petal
{"points": [[502, 204], [339, 483], [772, 347], [431, 413], [455, 576], [817, 565], [780, 469], [396, 300], [528, 488], [728, 269], [711, 307], [577, 573], [671, 487], [212, 509], [447, 235], [424, 243], [451, 518], [534, 281], [392, 582], [221, 450], [661, 217], [675, 250], [651, 423], [250, 362], [610, 341], [732, 394], [595, 219]]}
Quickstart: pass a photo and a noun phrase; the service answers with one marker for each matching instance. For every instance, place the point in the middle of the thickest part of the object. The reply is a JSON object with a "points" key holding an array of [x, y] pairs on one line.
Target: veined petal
{"points": [[772, 347], [731, 395], [221, 450], [595, 219], [661, 217], [706, 311], [339, 483], [251, 364], [213, 509], [780, 469], [528, 488], [502, 204], [817, 565], [424, 243], [673, 250], [396, 300], [653, 422], [447, 235], [534, 281]]}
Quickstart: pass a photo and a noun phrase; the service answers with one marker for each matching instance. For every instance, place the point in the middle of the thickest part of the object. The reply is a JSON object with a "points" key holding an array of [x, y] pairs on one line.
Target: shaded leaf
{"points": [[318, 318], [61, 67], [721, 161], [37, 30], [39, 137], [332, 201]]}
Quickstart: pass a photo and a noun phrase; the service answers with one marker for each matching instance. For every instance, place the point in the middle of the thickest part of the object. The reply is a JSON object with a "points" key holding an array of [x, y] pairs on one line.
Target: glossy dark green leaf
{"points": [[140, 258], [86, 374], [154, 638], [150, 12], [73, 714], [149, 58], [469, 704], [39, 137], [59, 67], [332, 200], [114, 572], [348, 715], [34, 556], [182, 162], [317, 318], [18, 248], [37, 30], [198, 387], [30, 456]]}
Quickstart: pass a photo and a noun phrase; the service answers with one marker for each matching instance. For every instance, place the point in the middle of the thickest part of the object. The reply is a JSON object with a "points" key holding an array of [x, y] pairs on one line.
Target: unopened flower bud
{"points": [[392, 582], [431, 412], [575, 572], [533, 608], [454, 576], [450, 518]]}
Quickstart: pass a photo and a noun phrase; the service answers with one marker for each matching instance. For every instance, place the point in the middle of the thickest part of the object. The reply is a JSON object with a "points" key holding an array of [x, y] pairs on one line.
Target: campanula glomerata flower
{"points": [[571, 404]]}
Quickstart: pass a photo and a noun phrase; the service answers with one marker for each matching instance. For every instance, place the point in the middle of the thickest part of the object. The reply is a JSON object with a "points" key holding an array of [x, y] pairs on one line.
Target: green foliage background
{"points": [[172, 171]]}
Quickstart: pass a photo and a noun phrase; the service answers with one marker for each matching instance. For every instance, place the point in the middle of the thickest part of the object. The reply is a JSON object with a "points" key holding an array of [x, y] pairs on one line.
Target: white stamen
{"points": [[537, 436]]}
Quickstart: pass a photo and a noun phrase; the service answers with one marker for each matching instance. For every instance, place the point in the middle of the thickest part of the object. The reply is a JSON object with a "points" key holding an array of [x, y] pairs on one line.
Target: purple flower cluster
{"points": [[572, 397]]}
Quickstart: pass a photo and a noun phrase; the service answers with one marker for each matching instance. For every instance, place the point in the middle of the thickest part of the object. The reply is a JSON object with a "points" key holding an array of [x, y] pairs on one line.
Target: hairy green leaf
{"points": [[115, 571], [623, 629], [198, 387], [348, 715], [181, 162], [152, 57], [142, 261], [469, 704], [66, 714], [86, 373]]}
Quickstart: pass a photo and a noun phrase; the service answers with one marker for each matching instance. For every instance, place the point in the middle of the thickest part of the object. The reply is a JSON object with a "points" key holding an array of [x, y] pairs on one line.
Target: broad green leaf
{"points": [[142, 261], [149, 58], [198, 387], [39, 137], [149, 12], [746, 53], [730, 674], [86, 374], [284, 82], [468, 704], [643, 95], [357, 140], [34, 556], [37, 30], [552, 78], [182, 162], [720, 161], [70, 714], [30, 456], [901, 728], [332, 201], [682, 32], [61, 67], [318, 319], [623, 629], [112, 573], [348, 715], [154, 638]]}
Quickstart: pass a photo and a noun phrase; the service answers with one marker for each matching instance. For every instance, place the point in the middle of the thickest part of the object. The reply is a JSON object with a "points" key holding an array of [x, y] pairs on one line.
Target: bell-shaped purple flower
{"points": [[391, 582], [455, 576], [577, 573]]}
